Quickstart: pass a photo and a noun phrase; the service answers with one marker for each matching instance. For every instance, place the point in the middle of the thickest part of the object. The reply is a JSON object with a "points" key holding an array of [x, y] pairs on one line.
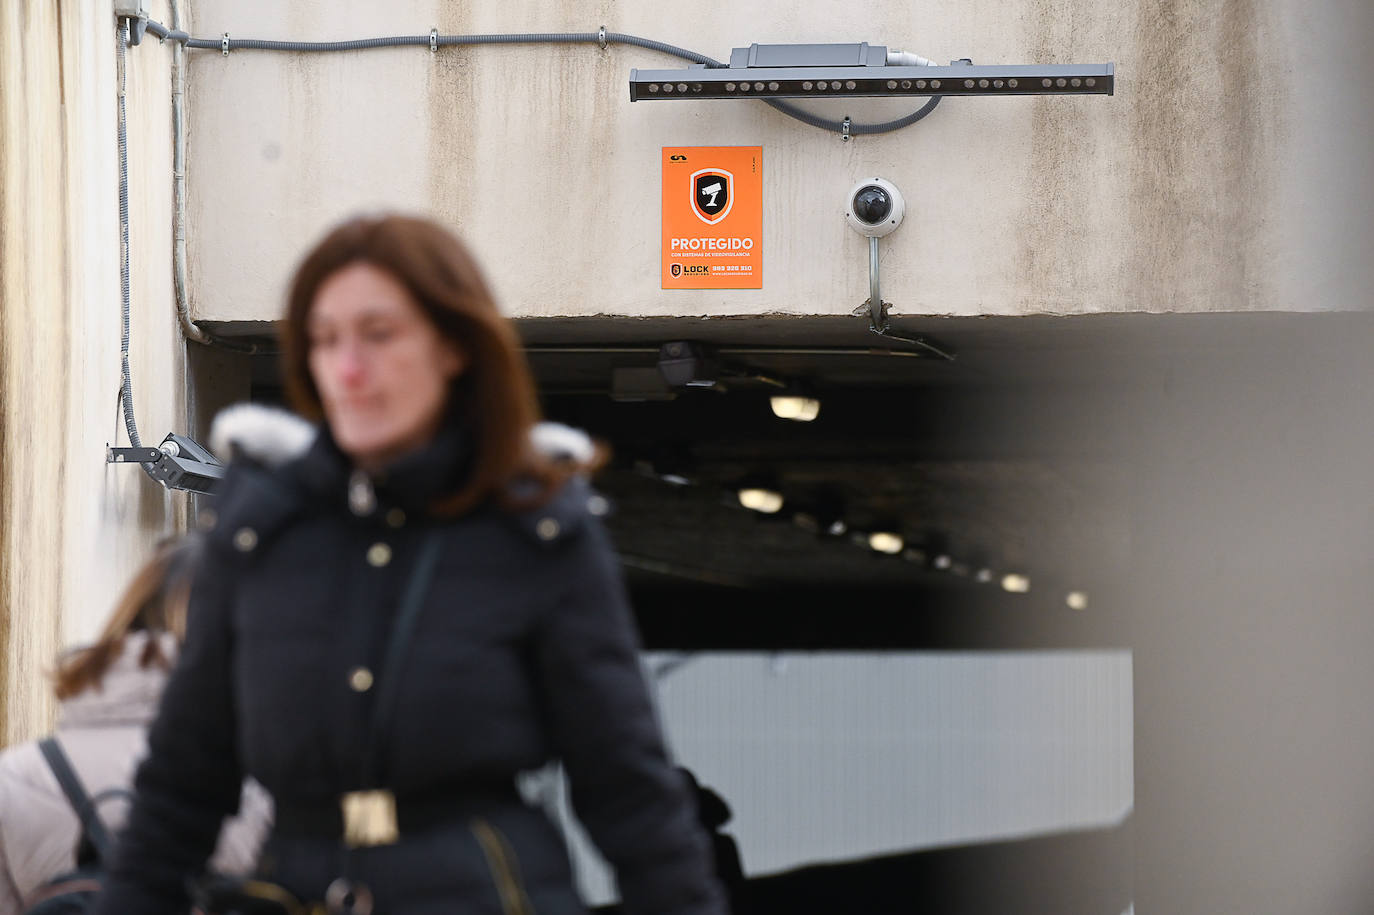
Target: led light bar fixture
{"points": [[854, 70]]}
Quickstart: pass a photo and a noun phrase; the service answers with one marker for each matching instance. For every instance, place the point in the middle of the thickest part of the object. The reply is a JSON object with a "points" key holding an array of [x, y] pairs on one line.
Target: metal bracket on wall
{"points": [[876, 309], [844, 129], [131, 455]]}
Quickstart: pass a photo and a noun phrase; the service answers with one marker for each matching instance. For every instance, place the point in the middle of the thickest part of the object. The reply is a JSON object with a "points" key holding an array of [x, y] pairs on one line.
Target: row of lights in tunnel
{"points": [[688, 365], [768, 500]]}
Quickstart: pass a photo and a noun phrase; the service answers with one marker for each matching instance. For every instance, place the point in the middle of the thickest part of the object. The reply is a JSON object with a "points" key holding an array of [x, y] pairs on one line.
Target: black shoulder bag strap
{"points": [[91, 826], [408, 613]]}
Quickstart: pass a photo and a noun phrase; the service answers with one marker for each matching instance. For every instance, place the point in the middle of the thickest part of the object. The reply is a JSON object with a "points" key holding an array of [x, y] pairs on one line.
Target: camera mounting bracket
{"points": [[877, 308]]}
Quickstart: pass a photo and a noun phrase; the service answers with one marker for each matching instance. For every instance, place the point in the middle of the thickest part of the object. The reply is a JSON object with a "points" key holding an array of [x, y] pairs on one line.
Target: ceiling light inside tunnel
{"points": [[798, 409], [1016, 584], [1077, 600], [885, 542], [767, 501]]}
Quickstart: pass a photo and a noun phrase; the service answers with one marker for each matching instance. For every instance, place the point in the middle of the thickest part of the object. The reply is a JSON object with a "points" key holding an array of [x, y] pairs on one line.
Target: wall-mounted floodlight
{"points": [[178, 463], [857, 70]]}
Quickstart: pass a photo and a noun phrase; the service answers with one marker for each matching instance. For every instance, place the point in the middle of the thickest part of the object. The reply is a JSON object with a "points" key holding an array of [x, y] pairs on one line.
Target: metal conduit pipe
{"points": [[179, 220], [179, 186], [601, 38]]}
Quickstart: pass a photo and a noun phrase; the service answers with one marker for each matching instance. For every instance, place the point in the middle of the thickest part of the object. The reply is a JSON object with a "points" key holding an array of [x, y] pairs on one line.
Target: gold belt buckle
{"points": [[370, 818]]}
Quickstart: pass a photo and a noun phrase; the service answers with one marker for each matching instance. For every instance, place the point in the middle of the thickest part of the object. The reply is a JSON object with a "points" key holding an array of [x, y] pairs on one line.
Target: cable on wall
{"points": [[433, 41]]}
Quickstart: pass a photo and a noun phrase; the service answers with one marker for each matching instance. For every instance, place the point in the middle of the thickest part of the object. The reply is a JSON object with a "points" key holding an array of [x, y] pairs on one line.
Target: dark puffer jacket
{"points": [[524, 651]]}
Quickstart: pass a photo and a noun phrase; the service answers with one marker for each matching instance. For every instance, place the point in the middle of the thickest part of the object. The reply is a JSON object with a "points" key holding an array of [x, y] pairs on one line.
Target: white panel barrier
{"points": [[829, 757]]}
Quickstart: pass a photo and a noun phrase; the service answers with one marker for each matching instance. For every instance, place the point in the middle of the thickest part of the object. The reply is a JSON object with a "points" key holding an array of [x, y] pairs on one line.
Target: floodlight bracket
{"points": [[131, 455]]}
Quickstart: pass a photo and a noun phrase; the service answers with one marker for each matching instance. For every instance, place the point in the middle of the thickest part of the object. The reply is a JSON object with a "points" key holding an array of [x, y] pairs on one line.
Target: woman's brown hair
{"points": [[495, 394], [154, 601]]}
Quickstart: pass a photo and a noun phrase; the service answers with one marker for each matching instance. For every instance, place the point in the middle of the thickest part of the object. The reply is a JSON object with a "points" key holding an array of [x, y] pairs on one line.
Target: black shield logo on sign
{"points": [[712, 194]]}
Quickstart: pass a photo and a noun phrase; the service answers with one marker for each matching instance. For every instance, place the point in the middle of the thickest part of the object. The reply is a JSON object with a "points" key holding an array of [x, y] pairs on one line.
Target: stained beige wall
{"points": [[72, 527], [1223, 175]]}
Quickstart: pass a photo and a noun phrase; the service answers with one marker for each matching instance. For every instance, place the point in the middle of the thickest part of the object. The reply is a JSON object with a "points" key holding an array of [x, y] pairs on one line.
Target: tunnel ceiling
{"points": [[975, 465], [1019, 456]]}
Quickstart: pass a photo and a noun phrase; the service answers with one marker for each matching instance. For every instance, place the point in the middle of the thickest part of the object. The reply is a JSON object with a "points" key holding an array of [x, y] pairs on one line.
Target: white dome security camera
{"points": [[874, 207]]}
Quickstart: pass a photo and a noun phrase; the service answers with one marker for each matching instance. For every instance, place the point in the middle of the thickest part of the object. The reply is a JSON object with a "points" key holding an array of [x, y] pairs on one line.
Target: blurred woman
{"points": [[109, 693], [402, 608]]}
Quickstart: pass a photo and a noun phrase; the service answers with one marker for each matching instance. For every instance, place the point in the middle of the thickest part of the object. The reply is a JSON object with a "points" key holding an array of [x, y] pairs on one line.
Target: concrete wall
{"points": [[1227, 173], [1250, 626], [72, 527]]}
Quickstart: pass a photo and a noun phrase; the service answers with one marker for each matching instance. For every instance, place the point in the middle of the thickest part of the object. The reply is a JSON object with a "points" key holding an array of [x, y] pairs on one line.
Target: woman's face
{"points": [[380, 365]]}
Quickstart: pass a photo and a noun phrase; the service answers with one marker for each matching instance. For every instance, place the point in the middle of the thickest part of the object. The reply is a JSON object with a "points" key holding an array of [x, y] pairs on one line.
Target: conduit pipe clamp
{"points": [[224, 44], [433, 41], [844, 128], [137, 17], [601, 37]]}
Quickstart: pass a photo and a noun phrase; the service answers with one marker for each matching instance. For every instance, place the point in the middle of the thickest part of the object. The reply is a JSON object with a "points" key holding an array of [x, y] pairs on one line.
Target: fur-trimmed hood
{"points": [[267, 435], [273, 436]]}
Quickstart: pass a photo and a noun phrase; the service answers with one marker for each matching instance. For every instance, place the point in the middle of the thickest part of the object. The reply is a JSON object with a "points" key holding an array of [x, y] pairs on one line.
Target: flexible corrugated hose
{"points": [[126, 391]]}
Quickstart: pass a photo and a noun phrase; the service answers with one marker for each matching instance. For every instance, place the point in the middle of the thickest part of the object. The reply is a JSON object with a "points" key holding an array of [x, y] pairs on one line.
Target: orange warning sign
{"points": [[712, 217]]}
